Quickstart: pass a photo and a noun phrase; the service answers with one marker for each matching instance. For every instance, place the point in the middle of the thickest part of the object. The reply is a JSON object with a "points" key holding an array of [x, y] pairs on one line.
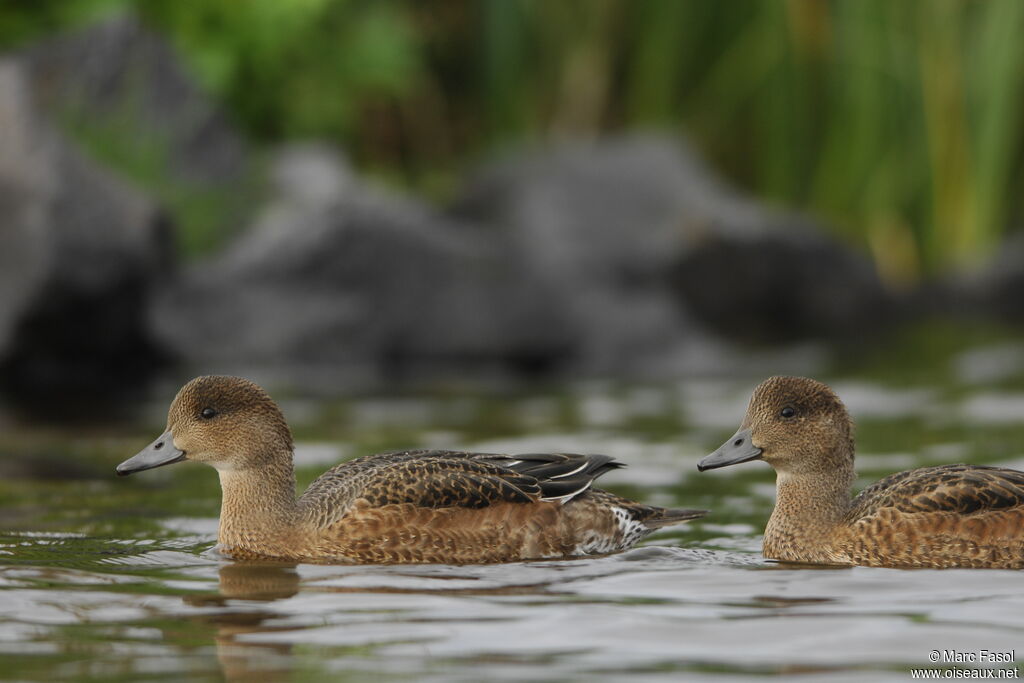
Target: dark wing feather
{"points": [[962, 489], [438, 479], [559, 475]]}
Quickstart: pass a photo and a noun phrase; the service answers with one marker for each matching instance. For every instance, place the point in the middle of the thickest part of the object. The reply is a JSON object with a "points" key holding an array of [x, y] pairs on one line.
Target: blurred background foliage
{"points": [[897, 122]]}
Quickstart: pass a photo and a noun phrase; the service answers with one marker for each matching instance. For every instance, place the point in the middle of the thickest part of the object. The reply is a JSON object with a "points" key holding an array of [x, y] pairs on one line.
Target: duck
{"points": [[407, 507], [945, 516]]}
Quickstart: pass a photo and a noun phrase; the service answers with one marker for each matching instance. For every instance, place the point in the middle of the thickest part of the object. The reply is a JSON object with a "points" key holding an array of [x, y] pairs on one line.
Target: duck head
{"points": [[229, 423], [796, 425]]}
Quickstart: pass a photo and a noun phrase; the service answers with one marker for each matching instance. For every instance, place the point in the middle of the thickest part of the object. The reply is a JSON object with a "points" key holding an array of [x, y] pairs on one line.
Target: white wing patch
{"points": [[568, 474], [569, 496]]}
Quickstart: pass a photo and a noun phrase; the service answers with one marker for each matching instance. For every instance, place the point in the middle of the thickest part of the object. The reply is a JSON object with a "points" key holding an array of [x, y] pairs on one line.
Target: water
{"points": [[112, 579]]}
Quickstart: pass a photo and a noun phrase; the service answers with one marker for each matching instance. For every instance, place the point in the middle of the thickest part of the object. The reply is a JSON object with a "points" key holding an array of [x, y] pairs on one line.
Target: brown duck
{"points": [[412, 506], [945, 516]]}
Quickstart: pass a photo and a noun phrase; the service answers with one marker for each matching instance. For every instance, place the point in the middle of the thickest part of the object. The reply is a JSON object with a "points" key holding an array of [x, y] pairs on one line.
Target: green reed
{"points": [[896, 123]]}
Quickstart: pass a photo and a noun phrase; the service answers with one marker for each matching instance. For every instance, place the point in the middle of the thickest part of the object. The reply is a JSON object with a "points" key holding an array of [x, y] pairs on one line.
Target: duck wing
{"points": [[442, 479], [961, 489]]}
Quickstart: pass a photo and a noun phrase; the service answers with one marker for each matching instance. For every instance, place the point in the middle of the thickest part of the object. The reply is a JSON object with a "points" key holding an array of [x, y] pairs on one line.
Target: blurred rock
{"points": [[79, 251], [621, 257], [337, 278], [624, 256], [24, 189], [117, 78], [598, 226], [649, 242], [783, 282], [995, 292]]}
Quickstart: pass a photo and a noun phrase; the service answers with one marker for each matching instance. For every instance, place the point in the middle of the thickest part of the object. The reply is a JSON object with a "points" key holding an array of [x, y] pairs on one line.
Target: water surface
{"points": [[111, 579]]}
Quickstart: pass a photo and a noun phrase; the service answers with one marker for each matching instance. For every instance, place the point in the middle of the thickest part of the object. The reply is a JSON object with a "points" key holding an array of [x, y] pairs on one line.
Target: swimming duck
{"points": [[406, 507], [945, 516]]}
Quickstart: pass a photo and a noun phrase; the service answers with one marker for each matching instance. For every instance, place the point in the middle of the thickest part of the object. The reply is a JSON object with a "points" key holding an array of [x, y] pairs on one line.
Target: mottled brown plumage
{"points": [[946, 516], [406, 507]]}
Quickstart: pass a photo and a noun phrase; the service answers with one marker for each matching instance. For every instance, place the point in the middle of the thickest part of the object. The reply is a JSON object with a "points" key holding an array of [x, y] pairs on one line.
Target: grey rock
{"points": [[785, 282], [337, 278], [122, 76], [658, 253], [622, 257], [25, 191], [994, 292], [597, 226], [80, 249]]}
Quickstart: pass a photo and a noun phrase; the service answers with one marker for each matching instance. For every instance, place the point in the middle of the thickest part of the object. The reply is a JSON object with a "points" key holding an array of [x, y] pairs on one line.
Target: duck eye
{"points": [[787, 412], [207, 413]]}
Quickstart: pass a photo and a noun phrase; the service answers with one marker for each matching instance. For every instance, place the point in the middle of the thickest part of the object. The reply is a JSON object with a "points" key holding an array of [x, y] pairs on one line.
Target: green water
{"points": [[108, 579]]}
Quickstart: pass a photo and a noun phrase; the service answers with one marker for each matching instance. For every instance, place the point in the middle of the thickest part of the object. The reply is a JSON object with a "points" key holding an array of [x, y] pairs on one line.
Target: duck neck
{"points": [[808, 508], [258, 508]]}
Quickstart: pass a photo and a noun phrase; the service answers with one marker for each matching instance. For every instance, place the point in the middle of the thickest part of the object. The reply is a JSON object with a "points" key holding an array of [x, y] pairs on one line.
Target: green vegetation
{"points": [[205, 216], [899, 123]]}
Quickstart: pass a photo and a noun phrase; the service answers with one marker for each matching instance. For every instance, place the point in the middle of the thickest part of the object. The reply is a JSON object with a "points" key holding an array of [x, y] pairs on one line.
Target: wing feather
{"points": [[963, 489], [439, 479]]}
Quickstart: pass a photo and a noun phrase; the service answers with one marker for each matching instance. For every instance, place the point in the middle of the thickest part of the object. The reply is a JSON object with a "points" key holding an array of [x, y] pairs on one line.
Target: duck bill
{"points": [[739, 448], [157, 454]]}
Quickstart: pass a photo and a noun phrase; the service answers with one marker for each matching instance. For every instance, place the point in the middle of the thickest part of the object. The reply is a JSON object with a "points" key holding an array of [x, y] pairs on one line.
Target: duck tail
{"points": [[663, 517]]}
